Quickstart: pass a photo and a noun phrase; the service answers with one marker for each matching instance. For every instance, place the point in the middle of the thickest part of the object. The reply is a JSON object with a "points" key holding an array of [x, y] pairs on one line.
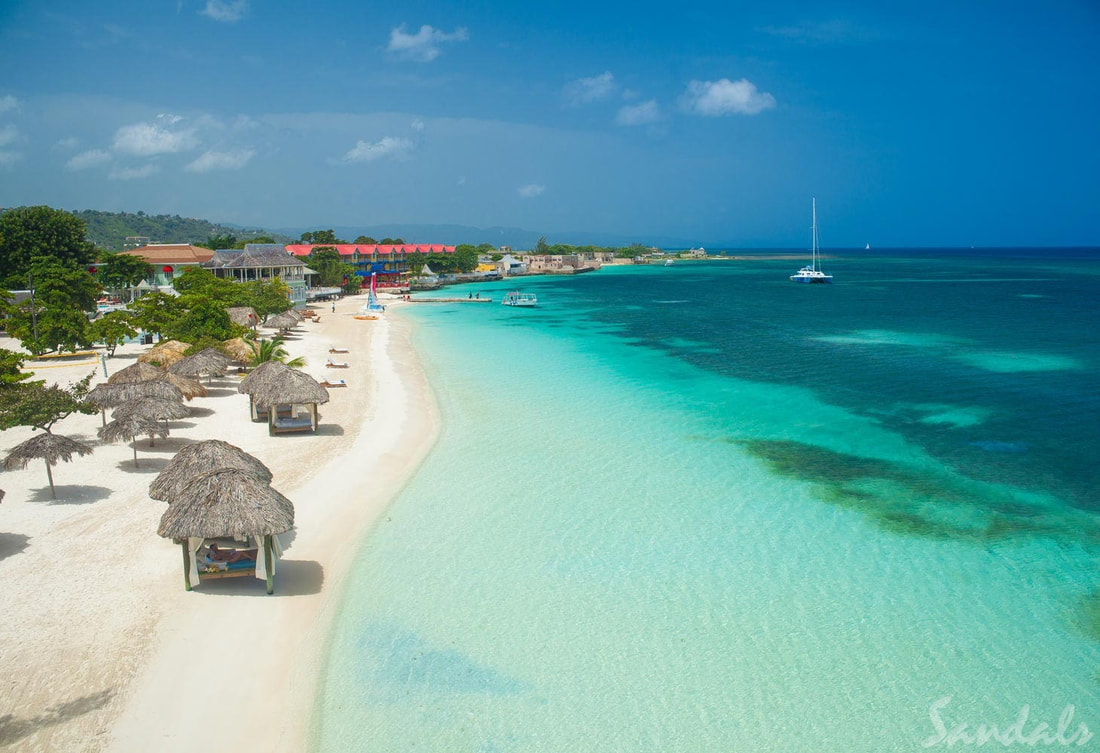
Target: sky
{"points": [[929, 123]]}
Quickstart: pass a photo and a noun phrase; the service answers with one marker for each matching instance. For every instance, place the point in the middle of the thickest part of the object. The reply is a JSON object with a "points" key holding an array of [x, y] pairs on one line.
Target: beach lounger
{"points": [[329, 385], [334, 365], [337, 349]]}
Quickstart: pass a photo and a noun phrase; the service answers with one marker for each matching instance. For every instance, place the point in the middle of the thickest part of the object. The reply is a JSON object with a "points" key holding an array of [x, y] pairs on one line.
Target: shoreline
{"points": [[102, 655]]}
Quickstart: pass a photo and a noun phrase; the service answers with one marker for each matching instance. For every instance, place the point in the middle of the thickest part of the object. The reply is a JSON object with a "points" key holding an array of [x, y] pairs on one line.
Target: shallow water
{"points": [[700, 508]]}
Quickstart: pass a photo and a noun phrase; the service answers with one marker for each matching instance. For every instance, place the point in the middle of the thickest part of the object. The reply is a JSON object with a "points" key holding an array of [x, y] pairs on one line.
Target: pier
{"points": [[438, 299]]}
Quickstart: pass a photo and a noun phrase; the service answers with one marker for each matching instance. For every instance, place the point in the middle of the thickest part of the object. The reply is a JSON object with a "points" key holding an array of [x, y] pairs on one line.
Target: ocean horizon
{"points": [[701, 508]]}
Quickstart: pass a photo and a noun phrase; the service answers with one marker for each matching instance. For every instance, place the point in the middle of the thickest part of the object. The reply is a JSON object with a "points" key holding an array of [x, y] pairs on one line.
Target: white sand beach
{"points": [[101, 648]]}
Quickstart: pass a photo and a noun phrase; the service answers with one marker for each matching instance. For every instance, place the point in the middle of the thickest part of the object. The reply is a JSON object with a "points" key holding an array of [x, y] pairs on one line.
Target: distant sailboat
{"points": [[812, 274], [868, 247]]}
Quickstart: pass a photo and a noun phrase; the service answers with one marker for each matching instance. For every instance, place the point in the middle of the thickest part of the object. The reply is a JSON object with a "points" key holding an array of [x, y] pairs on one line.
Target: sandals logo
{"points": [[1019, 732]]}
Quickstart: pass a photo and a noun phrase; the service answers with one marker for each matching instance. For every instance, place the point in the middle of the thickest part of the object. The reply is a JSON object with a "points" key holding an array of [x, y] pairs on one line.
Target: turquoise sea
{"points": [[700, 508]]}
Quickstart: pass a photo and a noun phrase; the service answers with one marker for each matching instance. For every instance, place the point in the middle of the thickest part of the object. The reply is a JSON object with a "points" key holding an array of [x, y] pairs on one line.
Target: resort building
{"points": [[262, 261], [168, 260], [390, 263]]}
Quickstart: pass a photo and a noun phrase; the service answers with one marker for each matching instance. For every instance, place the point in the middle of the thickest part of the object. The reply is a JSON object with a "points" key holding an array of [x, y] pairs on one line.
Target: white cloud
{"points": [[423, 46], [8, 103], [225, 10], [220, 161], [725, 97], [390, 146], [417, 125], [146, 139], [640, 114], [133, 173], [531, 190], [69, 142], [8, 134], [90, 158], [593, 89]]}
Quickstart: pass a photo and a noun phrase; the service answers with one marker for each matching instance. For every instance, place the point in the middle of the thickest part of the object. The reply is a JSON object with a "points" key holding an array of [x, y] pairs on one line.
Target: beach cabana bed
{"points": [[299, 393], [261, 375], [236, 511]]}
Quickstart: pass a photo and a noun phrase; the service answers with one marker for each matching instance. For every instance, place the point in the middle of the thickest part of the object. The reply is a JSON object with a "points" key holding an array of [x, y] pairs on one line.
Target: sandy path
{"points": [[100, 646]]}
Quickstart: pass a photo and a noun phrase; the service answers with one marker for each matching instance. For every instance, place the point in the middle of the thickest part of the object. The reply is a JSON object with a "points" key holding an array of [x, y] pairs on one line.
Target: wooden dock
{"points": [[437, 299]]}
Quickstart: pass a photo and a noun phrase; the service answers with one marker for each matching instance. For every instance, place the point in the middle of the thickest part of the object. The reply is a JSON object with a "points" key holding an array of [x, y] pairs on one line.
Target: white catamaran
{"points": [[812, 274]]}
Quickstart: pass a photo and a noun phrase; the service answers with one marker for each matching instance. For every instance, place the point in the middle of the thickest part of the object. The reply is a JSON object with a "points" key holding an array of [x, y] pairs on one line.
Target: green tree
{"points": [[196, 285], [228, 240], [464, 259], [203, 343], [541, 247], [124, 271], [273, 350], [392, 242], [268, 296], [40, 231], [10, 365], [365, 240], [35, 405], [113, 328], [329, 265], [326, 237], [206, 319], [155, 312], [54, 316]]}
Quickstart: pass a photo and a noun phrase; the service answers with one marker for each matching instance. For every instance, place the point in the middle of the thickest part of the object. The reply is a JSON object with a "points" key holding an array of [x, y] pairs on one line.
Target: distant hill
{"points": [[111, 229], [517, 238]]}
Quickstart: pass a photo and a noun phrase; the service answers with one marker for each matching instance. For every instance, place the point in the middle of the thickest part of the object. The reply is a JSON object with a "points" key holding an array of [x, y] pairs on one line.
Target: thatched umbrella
{"points": [[245, 316], [289, 387], [106, 395], [296, 314], [240, 350], [208, 361], [49, 447], [1, 495], [155, 408], [281, 321], [228, 502], [130, 426], [144, 372], [165, 353], [199, 458]]}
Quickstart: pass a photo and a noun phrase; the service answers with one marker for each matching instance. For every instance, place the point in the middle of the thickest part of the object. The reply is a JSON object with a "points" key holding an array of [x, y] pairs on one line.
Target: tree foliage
{"points": [[268, 296], [365, 240], [273, 350], [112, 329], [54, 317], [35, 405], [204, 320], [123, 271], [326, 237], [111, 229], [330, 267], [155, 312], [27, 233], [10, 365]]}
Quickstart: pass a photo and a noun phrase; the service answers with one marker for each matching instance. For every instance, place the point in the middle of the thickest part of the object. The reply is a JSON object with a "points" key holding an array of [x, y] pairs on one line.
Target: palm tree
{"points": [[273, 350]]}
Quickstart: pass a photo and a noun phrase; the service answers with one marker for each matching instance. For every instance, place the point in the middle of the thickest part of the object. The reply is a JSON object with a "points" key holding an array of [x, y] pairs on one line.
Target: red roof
{"points": [[347, 249]]}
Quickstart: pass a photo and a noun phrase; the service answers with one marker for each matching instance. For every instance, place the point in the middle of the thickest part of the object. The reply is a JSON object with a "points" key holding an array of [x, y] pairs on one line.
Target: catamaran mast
{"points": [[815, 234]]}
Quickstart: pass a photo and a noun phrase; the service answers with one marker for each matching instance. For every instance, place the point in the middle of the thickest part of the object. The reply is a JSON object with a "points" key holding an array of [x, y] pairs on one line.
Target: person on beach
{"points": [[334, 307], [236, 555]]}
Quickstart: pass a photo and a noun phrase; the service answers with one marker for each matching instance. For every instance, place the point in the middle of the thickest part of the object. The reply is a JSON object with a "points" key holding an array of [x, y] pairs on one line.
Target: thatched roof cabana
{"points": [[106, 395], [228, 502], [208, 361], [203, 457], [130, 426], [165, 353], [240, 315], [49, 447], [291, 398]]}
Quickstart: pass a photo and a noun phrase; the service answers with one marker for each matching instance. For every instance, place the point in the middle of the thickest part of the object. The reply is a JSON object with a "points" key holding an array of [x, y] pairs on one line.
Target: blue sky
{"points": [[930, 123]]}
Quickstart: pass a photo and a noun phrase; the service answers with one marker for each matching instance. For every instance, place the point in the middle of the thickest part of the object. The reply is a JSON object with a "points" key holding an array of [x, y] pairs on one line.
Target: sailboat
{"points": [[372, 309], [812, 274]]}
